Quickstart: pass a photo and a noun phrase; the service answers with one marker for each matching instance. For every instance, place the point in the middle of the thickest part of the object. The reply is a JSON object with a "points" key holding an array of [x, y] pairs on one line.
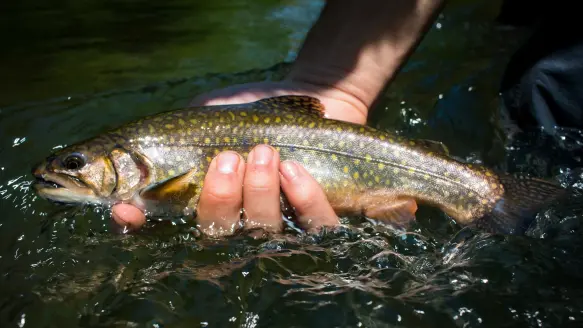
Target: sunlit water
{"points": [[64, 267]]}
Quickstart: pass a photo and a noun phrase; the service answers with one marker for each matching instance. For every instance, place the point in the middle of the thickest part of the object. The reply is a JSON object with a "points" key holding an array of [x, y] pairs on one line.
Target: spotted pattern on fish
{"points": [[361, 169], [346, 159]]}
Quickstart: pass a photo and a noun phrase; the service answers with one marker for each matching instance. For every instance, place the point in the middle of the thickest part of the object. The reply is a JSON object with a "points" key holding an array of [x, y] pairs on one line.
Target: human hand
{"points": [[222, 197], [308, 198]]}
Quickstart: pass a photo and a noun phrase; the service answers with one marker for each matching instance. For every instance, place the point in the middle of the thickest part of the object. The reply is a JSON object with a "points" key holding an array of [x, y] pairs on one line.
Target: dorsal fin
{"points": [[434, 146], [304, 104]]}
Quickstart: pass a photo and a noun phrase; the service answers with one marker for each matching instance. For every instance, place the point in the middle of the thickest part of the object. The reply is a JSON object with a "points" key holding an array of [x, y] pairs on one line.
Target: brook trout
{"points": [[158, 163]]}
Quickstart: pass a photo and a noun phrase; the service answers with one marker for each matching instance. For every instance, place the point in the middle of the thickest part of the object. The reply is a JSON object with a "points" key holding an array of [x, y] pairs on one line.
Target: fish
{"points": [[158, 163]]}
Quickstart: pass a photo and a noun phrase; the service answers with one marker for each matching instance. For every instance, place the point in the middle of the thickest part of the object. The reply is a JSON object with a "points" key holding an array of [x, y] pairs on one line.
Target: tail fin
{"points": [[523, 198]]}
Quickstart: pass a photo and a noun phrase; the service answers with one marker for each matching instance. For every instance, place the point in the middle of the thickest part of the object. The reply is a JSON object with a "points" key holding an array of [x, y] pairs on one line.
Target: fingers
{"points": [[261, 190], [230, 185], [127, 217], [305, 194], [221, 198]]}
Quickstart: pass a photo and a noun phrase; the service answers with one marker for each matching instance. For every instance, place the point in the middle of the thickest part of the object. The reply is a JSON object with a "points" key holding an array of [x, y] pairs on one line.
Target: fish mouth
{"points": [[62, 188]]}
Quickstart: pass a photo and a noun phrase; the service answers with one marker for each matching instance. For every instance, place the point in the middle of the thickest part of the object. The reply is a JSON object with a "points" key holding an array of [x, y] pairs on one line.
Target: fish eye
{"points": [[74, 161]]}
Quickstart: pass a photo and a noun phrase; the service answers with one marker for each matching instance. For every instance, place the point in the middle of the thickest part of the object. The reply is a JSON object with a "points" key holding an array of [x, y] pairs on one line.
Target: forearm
{"points": [[357, 46]]}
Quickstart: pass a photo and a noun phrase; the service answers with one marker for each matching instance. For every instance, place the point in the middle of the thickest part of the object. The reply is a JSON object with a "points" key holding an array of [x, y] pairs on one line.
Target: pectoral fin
{"points": [[177, 193]]}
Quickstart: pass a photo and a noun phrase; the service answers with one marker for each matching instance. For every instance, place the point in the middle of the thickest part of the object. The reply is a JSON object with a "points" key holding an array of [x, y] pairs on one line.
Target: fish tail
{"points": [[523, 198]]}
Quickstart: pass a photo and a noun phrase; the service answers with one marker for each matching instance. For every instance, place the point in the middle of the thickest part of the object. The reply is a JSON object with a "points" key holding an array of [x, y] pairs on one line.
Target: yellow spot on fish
{"points": [[341, 143], [255, 118], [488, 173], [169, 126], [369, 183], [382, 137], [181, 121], [339, 129], [255, 139], [381, 166], [151, 128], [207, 140], [171, 172], [266, 120], [311, 125], [377, 179], [361, 129], [277, 119], [391, 140], [278, 138], [412, 143], [243, 114], [227, 139], [231, 115], [395, 170], [305, 142], [365, 175], [216, 151], [368, 158], [199, 151], [208, 159], [357, 161], [334, 157], [346, 169], [484, 201], [387, 182], [265, 140], [320, 145], [171, 139], [426, 176], [193, 121], [235, 140], [411, 170]]}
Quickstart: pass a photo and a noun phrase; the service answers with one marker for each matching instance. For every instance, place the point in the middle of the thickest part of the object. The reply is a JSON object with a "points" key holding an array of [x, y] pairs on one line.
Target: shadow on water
{"points": [[63, 267]]}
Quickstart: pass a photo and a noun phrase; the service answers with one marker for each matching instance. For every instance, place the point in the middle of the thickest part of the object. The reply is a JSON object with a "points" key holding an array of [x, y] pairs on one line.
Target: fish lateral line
{"points": [[330, 151]]}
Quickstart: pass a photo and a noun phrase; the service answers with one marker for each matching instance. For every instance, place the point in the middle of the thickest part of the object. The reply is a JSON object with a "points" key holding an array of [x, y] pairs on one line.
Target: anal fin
{"points": [[399, 212]]}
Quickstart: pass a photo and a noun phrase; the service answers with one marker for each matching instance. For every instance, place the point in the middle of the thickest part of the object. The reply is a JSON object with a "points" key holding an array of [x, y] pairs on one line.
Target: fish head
{"points": [[82, 173]]}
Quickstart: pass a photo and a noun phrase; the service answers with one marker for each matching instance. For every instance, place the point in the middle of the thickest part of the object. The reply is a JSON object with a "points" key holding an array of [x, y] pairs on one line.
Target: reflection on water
{"points": [[61, 266]]}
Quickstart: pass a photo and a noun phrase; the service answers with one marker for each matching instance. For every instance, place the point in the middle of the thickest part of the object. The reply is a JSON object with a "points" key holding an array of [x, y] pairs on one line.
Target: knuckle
{"points": [[221, 194]]}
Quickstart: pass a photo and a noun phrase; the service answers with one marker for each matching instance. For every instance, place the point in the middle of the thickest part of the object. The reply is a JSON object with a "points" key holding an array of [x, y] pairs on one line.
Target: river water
{"points": [[70, 70]]}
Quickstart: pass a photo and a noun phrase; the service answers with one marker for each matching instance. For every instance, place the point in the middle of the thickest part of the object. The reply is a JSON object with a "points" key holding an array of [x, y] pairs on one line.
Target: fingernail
{"points": [[290, 170], [262, 155], [227, 162]]}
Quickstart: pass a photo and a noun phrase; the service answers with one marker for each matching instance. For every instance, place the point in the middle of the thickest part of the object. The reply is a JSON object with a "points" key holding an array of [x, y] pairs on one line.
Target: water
{"points": [[69, 73]]}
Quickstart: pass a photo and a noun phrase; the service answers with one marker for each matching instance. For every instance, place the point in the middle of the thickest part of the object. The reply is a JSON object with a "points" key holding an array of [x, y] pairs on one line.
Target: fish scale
{"points": [[362, 170]]}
